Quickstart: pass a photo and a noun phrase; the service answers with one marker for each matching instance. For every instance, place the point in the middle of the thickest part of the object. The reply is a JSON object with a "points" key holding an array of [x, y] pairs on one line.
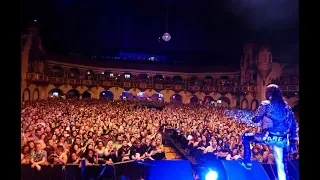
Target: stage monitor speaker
{"points": [[170, 169], [235, 171]]}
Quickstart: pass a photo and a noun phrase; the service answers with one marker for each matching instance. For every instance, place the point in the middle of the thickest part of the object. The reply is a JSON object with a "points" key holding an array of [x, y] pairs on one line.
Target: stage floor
{"points": [[171, 153]]}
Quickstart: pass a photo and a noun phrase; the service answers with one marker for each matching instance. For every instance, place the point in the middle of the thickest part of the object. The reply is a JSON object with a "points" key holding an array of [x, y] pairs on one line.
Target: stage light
{"points": [[211, 175]]}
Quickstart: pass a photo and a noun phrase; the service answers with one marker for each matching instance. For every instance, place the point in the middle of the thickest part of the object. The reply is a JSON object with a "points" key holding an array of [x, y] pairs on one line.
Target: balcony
{"points": [[89, 82], [37, 78], [76, 82], [251, 88], [40, 78], [290, 88], [57, 80]]}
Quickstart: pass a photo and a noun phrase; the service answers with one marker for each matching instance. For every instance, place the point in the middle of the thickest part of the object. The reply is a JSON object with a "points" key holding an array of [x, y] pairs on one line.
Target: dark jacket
{"points": [[276, 118]]}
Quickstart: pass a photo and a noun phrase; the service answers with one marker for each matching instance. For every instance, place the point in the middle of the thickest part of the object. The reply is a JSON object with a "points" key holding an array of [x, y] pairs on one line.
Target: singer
{"points": [[278, 130]]}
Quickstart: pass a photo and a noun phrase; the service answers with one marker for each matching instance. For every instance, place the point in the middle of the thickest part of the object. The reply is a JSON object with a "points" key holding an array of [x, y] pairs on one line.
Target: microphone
{"points": [[143, 163]]}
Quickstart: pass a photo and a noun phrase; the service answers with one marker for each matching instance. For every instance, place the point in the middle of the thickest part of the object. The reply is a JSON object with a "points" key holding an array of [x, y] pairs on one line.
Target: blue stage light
{"points": [[211, 175]]}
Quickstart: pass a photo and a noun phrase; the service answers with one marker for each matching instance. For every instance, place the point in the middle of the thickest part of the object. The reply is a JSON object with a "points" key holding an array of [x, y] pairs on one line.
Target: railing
{"points": [[130, 169], [56, 80], [249, 88], [73, 81], [290, 88], [35, 77], [40, 78]]}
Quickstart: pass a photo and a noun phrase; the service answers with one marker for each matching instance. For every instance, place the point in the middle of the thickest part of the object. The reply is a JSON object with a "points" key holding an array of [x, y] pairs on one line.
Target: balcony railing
{"points": [[57, 80], [290, 88], [73, 81], [251, 88], [88, 82], [38, 78]]}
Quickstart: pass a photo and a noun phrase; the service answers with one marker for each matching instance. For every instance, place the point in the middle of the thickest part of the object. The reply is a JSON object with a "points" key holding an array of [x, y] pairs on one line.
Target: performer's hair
{"points": [[273, 93]]}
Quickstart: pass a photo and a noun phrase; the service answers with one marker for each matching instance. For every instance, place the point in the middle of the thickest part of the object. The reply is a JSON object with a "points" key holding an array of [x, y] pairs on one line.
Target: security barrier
{"points": [[130, 169]]}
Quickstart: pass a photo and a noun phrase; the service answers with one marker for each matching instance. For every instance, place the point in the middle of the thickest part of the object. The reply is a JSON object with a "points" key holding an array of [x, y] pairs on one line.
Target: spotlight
{"points": [[211, 175]]}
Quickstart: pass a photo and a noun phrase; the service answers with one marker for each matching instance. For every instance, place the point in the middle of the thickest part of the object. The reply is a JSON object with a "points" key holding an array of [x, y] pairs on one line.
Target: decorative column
{"points": [[264, 68], [25, 60], [264, 63]]}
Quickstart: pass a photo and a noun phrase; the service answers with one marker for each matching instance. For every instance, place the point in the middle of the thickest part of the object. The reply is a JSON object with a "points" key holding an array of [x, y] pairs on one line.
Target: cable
{"points": [[274, 175], [292, 178], [293, 165]]}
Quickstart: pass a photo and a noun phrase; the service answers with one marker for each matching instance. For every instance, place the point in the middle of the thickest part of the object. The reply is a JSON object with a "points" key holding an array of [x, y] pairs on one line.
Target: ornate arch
{"points": [[73, 93], [225, 99], [26, 94], [208, 99], [86, 95], [107, 94], [50, 93], [254, 104], [194, 99], [36, 94], [176, 98], [245, 103], [127, 95]]}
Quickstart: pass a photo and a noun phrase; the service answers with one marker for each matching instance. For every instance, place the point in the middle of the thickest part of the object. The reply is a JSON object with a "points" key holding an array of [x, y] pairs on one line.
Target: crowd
{"points": [[58, 131], [218, 137]]}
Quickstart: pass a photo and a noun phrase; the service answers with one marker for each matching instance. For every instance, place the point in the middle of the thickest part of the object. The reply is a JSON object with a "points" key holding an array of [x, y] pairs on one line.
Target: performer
{"points": [[278, 130]]}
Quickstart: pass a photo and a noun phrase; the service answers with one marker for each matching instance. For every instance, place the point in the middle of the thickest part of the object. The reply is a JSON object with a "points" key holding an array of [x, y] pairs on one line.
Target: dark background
{"points": [[203, 31]]}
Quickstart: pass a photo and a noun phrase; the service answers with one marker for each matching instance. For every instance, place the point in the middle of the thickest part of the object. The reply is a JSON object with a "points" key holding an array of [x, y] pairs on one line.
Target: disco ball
{"points": [[166, 37]]}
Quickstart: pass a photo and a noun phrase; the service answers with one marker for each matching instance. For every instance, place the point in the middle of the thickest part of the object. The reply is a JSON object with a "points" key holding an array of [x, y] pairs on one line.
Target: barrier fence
{"points": [[130, 169]]}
